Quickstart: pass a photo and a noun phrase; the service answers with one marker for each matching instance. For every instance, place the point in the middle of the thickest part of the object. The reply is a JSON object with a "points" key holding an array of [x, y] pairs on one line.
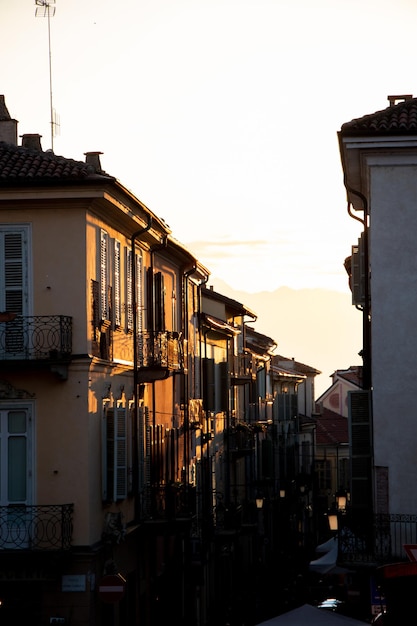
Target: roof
{"points": [[291, 364], [394, 120], [352, 375], [27, 166], [240, 308], [331, 428]]}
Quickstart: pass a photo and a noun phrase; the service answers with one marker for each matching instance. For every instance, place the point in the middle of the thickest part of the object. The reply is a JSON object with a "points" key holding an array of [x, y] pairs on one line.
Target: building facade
{"points": [[146, 431]]}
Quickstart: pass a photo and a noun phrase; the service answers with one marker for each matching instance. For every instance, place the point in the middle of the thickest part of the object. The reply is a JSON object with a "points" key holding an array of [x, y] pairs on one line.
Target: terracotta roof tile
{"points": [[291, 364], [331, 429], [23, 166], [398, 119]]}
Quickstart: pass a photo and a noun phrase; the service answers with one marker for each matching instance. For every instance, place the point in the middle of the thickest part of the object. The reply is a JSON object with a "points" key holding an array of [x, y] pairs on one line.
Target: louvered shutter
{"points": [[129, 291], [114, 454], [13, 272], [117, 294], [14, 285], [120, 486], [104, 273], [208, 385], [360, 436]]}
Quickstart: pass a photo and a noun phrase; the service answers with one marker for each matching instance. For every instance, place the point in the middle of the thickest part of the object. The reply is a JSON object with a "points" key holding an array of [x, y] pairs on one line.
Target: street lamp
{"points": [[332, 517]]}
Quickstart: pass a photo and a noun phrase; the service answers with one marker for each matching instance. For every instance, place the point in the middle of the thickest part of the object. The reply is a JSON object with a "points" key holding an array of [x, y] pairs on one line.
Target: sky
{"points": [[220, 115]]}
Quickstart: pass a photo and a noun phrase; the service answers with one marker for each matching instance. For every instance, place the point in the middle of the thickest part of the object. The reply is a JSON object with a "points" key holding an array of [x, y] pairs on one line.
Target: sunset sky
{"points": [[220, 115]]}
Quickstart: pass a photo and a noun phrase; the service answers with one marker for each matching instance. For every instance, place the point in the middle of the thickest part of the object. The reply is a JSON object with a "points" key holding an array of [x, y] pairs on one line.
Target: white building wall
{"points": [[393, 257]]}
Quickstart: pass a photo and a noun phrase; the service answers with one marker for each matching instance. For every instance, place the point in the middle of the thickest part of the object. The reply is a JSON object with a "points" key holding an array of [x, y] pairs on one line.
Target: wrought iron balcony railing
{"points": [[168, 502], [36, 527], [379, 541], [162, 349], [35, 337]]}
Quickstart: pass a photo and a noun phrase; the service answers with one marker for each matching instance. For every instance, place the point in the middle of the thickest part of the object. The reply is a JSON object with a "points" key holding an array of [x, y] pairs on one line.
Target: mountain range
{"points": [[317, 327]]}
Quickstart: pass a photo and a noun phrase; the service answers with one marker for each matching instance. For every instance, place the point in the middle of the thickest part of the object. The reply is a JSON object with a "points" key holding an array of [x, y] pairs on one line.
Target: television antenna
{"points": [[46, 8]]}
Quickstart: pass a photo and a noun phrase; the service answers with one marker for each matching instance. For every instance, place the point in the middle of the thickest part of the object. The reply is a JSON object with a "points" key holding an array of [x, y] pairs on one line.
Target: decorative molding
{"points": [[7, 391]]}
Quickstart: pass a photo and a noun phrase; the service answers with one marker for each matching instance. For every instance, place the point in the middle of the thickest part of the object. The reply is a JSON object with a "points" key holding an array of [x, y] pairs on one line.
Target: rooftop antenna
{"points": [[46, 8]]}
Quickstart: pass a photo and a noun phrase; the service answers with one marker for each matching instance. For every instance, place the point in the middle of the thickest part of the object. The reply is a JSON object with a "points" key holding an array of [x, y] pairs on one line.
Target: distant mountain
{"points": [[317, 327]]}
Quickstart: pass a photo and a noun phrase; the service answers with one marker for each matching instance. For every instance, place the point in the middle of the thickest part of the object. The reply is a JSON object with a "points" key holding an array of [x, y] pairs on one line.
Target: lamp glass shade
{"points": [[333, 522], [341, 503], [259, 503]]}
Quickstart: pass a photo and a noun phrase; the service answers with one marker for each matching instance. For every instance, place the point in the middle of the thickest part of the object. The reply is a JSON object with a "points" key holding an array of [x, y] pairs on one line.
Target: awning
{"points": [[308, 615], [327, 564]]}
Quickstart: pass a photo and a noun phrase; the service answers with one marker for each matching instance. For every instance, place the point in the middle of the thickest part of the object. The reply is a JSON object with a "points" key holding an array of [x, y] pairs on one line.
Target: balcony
{"points": [[40, 339], [377, 542], [36, 528], [243, 370], [159, 355], [170, 502]]}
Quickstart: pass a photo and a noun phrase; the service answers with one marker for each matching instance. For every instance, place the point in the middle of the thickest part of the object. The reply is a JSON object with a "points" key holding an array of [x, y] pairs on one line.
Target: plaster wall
{"points": [[393, 260]]}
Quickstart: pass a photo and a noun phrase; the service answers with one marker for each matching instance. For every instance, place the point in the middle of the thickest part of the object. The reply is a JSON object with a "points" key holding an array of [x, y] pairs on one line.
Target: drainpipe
{"points": [[135, 477], [185, 379], [366, 356]]}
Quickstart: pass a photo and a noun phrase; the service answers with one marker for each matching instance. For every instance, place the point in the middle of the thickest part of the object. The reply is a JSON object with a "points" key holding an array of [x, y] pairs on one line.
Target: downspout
{"points": [[135, 429], [185, 379], [366, 356], [158, 246]]}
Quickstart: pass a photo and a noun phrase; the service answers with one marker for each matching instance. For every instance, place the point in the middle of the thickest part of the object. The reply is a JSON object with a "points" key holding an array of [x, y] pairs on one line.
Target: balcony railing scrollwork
{"points": [[381, 541], [162, 350], [36, 337], [36, 527]]}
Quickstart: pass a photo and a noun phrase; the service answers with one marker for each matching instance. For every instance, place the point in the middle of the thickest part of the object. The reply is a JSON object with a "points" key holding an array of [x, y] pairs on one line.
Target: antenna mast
{"points": [[45, 8]]}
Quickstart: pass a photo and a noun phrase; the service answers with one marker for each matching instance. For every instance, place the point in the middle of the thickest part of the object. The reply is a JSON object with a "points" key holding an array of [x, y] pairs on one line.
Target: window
{"points": [[117, 296], [15, 456], [323, 470], [114, 452], [129, 292], [104, 275], [14, 283], [156, 301]]}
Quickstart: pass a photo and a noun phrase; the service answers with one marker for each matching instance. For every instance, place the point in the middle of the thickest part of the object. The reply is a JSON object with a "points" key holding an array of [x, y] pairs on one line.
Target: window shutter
{"points": [[104, 304], [114, 477], [120, 470], [159, 296], [208, 385], [13, 272], [117, 298], [139, 295], [224, 385], [360, 436], [129, 291]]}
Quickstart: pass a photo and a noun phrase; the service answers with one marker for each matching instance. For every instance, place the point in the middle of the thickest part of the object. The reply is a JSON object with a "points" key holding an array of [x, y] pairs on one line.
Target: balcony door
{"points": [[14, 287], [16, 474]]}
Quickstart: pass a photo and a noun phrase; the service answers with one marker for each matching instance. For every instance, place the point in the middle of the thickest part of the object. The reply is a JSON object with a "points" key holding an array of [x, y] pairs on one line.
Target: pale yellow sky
{"points": [[220, 115]]}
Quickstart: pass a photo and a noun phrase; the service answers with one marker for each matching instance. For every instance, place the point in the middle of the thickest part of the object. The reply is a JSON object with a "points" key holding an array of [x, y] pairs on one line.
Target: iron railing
{"points": [[380, 540], [36, 337], [167, 502], [36, 527], [162, 349]]}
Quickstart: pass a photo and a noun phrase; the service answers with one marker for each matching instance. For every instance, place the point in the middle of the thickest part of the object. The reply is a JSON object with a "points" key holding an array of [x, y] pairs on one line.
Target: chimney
{"points": [[32, 141], [393, 100], [93, 159], [8, 127]]}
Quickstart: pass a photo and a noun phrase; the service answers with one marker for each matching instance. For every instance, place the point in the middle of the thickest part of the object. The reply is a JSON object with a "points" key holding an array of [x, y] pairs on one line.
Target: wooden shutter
{"points": [[360, 436], [117, 294], [224, 385], [208, 385], [114, 478], [104, 275], [14, 272], [159, 298]]}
